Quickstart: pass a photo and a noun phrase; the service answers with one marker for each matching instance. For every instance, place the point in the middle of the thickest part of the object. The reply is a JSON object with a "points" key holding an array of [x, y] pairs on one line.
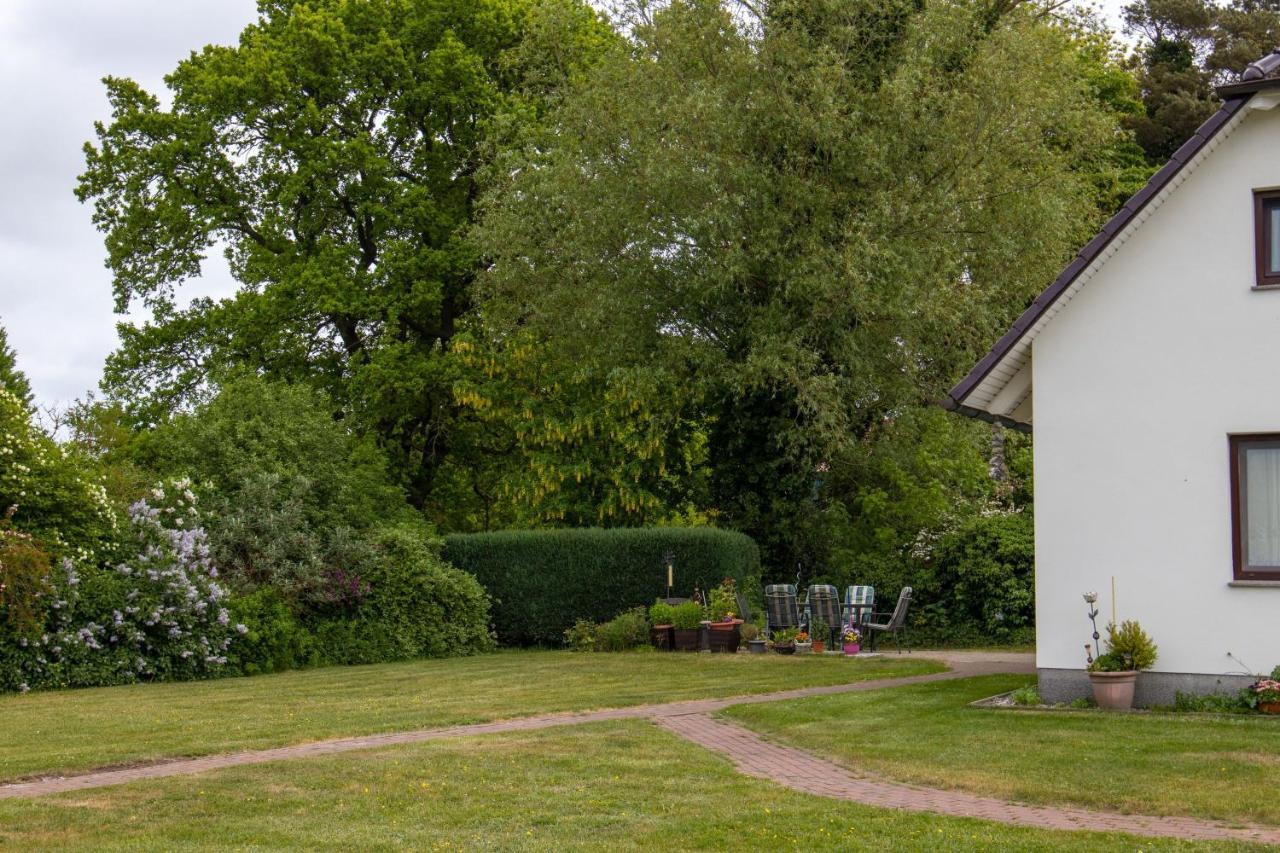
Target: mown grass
{"points": [[67, 731], [621, 786], [1225, 768]]}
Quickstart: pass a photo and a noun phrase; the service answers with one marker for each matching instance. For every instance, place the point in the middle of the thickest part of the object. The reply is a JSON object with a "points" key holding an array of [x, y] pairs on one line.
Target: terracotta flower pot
{"points": [[726, 626], [1113, 691], [818, 646], [852, 648], [1269, 707]]}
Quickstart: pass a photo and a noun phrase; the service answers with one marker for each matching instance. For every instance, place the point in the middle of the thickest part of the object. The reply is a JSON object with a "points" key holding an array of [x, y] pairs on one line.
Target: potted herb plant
{"points": [[803, 644], [722, 602], [686, 621], [852, 641], [661, 615], [784, 641], [821, 631], [756, 644], [1114, 673]]}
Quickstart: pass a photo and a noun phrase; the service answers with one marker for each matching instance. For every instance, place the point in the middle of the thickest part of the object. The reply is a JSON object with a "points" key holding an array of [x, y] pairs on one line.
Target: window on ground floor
{"points": [[1255, 506]]}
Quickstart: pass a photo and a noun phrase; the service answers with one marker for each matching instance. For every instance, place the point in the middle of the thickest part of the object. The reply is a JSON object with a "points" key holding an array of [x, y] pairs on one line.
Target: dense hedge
{"points": [[542, 581]]}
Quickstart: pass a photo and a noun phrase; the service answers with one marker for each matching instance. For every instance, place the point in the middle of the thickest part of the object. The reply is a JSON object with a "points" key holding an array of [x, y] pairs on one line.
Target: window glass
{"points": [[1273, 237], [1262, 506]]}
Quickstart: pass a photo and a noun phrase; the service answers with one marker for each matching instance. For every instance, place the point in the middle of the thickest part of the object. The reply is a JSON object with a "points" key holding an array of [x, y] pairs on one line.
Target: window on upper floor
{"points": [[1266, 215]]}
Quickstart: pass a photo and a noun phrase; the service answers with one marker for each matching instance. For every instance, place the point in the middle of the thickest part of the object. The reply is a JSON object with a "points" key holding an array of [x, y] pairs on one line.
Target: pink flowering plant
{"points": [[1265, 690]]}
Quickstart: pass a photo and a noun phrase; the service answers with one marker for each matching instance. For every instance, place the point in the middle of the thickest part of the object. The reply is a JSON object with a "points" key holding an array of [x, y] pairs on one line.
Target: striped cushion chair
{"points": [[822, 604], [781, 609], [859, 601]]}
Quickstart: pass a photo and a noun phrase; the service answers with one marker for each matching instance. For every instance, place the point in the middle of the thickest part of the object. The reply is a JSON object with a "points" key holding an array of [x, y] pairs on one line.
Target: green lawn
{"points": [[622, 786], [1212, 767], [80, 729]]}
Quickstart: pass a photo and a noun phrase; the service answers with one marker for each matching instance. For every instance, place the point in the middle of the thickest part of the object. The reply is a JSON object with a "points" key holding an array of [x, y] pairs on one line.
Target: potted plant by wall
{"points": [[686, 621], [852, 641], [756, 644], [803, 644], [661, 615], [820, 633], [1264, 694], [1114, 673], [784, 641]]}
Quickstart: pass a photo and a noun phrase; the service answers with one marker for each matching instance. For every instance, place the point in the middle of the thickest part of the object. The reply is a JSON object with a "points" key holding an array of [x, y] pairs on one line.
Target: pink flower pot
{"points": [[851, 648], [1113, 691]]}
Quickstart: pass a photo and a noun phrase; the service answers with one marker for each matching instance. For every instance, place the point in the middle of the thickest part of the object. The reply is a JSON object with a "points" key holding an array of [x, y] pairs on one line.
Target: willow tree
{"points": [[335, 154], [814, 212]]}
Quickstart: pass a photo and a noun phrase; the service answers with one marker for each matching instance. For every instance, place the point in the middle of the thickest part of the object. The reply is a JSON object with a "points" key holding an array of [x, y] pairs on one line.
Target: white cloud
{"points": [[55, 293]]}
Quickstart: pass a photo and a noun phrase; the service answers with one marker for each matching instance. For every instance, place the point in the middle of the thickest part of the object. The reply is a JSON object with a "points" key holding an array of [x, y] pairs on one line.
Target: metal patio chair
{"points": [[822, 603], [894, 623], [781, 609]]}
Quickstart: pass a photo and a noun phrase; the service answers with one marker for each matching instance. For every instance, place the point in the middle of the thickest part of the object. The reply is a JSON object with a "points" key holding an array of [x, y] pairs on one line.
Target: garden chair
{"points": [[859, 602], [895, 623], [822, 603], [781, 609]]}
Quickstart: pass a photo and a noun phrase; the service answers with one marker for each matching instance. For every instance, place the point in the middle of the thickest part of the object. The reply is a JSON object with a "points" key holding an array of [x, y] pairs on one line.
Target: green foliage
{"points": [[289, 489], [750, 632], [1131, 643], [1212, 703], [687, 616], [541, 581], [1186, 48], [417, 606], [581, 636], [792, 222], [24, 581], [1081, 703], [12, 379], [721, 601], [1111, 662], [661, 613], [50, 492], [337, 151], [982, 579], [1026, 696], [627, 631], [275, 640]]}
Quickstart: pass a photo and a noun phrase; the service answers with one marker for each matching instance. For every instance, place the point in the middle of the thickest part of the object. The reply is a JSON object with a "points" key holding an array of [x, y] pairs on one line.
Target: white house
{"points": [[1152, 368]]}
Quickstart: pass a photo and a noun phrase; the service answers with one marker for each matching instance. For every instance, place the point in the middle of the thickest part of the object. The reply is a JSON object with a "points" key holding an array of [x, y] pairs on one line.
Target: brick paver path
{"points": [[750, 753]]}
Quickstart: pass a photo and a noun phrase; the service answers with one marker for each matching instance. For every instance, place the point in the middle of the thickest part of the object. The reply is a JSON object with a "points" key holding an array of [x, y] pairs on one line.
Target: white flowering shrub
{"points": [[159, 614], [48, 492]]}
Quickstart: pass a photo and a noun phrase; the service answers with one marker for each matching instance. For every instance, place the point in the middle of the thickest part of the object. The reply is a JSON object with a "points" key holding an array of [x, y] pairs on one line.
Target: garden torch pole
{"points": [[670, 559]]}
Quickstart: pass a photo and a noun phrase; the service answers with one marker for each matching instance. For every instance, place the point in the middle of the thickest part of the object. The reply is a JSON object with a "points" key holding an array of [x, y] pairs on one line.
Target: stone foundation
{"points": [[1154, 688]]}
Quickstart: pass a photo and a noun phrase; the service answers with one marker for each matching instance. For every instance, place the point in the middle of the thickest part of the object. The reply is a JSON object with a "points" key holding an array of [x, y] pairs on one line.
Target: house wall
{"points": [[1137, 383]]}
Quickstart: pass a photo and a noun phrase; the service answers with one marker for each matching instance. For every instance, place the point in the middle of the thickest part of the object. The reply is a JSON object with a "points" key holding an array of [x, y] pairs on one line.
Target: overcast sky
{"points": [[55, 293]]}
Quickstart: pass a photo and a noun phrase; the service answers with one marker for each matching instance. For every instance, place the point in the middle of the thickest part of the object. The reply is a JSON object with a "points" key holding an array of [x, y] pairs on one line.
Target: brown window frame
{"points": [[1239, 443], [1261, 239]]}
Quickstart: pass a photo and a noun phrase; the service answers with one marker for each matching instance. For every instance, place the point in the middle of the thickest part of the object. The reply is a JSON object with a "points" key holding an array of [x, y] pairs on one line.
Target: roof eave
{"points": [[956, 399]]}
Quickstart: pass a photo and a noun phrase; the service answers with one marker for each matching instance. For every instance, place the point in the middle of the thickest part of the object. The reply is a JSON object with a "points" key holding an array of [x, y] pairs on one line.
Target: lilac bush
{"points": [[160, 613]]}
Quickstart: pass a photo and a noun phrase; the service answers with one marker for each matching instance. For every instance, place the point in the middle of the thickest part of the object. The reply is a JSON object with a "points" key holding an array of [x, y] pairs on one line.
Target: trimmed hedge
{"points": [[542, 581]]}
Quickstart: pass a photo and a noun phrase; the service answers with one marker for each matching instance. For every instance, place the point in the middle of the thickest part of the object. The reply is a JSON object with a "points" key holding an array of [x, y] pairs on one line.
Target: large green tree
{"points": [[11, 378], [1186, 48], [816, 213], [335, 155]]}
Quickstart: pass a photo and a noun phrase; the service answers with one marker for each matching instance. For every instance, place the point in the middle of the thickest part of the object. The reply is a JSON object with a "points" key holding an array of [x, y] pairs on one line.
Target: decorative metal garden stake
{"points": [[670, 560], [1091, 598]]}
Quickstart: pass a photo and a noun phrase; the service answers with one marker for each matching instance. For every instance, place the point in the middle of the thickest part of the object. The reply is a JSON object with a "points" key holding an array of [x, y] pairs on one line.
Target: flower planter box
{"points": [[852, 648], [757, 647], [725, 639], [685, 639], [1269, 707], [804, 648], [1113, 691], [785, 649], [660, 636]]}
